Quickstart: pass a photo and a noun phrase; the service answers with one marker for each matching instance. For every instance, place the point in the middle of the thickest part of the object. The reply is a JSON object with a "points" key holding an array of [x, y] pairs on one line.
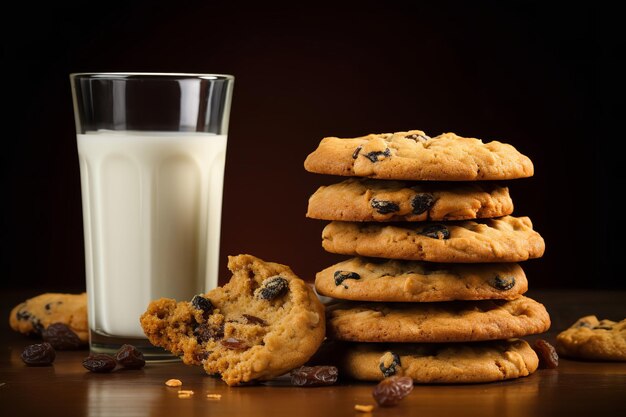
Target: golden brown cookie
{"points": [[37, 313], [433, 363], [505, 239], [590, 338], [452, 321], [261, 324], [413, 155], [374, 279], [366, 200]]}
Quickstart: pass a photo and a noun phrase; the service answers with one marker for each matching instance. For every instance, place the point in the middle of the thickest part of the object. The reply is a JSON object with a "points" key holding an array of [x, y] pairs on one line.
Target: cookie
{"points": [[371, 279], [452, 321], [37, 313], [366, 200], [433, 363], [413, 155], [592, 339], [505, 239], [261, 324]]}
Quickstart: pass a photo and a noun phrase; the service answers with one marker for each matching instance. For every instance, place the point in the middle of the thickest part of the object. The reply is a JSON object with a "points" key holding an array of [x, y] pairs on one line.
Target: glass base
{"points": [[103, 343]]}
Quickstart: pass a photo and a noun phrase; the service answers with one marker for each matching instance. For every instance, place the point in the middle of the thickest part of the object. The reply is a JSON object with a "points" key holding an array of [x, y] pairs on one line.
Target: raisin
{"points": [[22, 315], [436, 231], [356, 152], [417, 138], [48, 306], [99, 363], [503, 283], [583, 324], [384, 207], [202, 304], [254, 320], [389, 368], [422, 202], [205, 332], [548, 358], [374, 155], [603, 325], [234, 344], [39, 354], [130, 358], [61, 337], [341, 276], [390, 391], [314, 376], [273, 287]]}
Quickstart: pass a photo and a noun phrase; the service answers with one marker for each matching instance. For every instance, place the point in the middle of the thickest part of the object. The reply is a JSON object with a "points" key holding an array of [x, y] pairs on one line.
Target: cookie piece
{"points": [[370, 279], [413, 155], [506, 239], [366, 200], [432, 363], [452, 321], [37, 313], [590, 338], [261, 324]]}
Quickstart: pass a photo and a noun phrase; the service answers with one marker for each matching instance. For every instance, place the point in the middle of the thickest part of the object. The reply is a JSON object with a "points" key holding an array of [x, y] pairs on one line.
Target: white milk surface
{"points": [[152, 206]]}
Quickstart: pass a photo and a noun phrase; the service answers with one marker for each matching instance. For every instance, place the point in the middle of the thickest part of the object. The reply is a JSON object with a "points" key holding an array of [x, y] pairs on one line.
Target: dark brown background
{"points": [[528, 73]]}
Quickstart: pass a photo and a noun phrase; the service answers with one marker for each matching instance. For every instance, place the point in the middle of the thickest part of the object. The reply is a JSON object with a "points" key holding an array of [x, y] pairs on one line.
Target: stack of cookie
{"points": [[434, 291]]}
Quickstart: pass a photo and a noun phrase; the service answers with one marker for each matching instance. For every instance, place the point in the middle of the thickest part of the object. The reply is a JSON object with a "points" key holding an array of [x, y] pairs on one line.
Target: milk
{"points": [[152, 206]]}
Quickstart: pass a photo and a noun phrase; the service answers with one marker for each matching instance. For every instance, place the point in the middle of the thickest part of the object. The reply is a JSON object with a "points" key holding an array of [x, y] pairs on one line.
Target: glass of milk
{"points": [[151, 149]]}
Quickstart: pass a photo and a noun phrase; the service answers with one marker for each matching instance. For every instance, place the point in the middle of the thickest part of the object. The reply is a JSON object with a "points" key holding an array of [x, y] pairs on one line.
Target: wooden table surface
{"points": [[67, 389]]}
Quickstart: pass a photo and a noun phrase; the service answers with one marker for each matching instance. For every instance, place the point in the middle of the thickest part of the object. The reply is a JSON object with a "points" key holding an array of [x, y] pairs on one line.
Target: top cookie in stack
{"points": [[422, 232]]}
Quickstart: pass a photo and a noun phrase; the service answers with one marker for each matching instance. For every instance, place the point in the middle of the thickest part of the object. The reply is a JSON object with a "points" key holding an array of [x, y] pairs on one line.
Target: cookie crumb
{"points": [[364, 408], [214, 396], [173, 383], [185, 393]]}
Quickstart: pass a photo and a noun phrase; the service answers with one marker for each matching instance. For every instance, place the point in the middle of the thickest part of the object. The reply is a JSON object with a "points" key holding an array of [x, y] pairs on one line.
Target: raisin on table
{"points": [[390, 391], [314, 376], [99, 363], [61, 337], [40, 354], [548, 358], [130, 357]]}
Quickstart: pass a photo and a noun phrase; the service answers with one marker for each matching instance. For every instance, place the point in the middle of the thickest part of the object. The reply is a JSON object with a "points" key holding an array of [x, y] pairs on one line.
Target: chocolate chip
{"points": [[436, 231], [272, 288], [384, 207], [503, 283], [391, 369], [374, 155], [422, 202], [341, 276], [355, 154]]}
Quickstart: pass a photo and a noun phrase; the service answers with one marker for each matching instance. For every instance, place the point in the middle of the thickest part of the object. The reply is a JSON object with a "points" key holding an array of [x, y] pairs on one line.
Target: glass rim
{"points": [[155, 75]]}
